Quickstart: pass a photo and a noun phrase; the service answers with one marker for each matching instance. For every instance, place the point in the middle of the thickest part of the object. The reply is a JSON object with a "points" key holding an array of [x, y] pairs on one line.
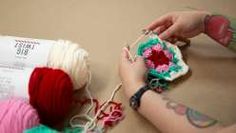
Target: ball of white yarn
{"points": [[72, 59]]}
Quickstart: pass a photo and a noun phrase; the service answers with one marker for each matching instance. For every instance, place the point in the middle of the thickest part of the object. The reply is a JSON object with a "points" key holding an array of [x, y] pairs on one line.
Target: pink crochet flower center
{"points": [[157, 58]]}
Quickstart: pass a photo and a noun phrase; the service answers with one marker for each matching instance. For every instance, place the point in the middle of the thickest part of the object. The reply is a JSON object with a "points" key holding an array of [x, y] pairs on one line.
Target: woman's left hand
{"points": [[132, 74]]}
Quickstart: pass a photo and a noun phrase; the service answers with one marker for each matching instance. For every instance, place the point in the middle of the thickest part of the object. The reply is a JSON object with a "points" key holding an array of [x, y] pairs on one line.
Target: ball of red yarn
{"points": [[16, 115], [50, 92]]}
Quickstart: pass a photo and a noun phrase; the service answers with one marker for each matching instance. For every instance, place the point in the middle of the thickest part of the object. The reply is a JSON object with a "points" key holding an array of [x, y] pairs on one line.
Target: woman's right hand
{"points": [[186, 24]]}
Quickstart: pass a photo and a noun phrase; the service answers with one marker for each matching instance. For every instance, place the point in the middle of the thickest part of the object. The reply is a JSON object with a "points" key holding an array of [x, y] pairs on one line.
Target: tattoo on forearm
{"points": [[222, 29], [194, 117]]}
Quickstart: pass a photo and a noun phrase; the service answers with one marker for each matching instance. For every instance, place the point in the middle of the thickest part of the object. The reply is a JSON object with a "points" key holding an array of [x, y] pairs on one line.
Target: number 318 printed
{"points": [[23, 48]]}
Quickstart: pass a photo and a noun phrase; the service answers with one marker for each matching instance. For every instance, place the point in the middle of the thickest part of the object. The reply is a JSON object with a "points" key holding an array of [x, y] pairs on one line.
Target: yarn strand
{"points": [[85, 115], [144, 34], [91, 124], [88, 125]]}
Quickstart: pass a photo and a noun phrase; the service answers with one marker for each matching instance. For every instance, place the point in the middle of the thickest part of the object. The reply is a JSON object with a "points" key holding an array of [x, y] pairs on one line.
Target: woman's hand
{"points": [[185, 24], [132, 74]]}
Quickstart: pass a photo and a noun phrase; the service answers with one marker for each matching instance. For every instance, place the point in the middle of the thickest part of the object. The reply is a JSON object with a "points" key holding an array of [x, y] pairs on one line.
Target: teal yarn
{"points": [[164, 85], [45, 129]]}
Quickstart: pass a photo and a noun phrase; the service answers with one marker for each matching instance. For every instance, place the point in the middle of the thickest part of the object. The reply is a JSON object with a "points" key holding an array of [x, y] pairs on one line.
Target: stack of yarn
{"points": [[50, 90]]}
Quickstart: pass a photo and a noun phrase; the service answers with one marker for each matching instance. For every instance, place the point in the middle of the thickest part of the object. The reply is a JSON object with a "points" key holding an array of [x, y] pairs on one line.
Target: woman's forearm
{"points": [[171, 117]]}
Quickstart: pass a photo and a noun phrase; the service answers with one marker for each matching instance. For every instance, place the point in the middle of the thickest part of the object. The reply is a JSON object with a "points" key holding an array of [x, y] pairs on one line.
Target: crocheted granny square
{"points": [[164, 60]]}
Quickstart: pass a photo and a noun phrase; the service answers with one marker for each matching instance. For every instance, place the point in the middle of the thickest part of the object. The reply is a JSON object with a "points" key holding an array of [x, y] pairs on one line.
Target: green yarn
{"points": [[175, 68], [73, 130], [45, 129], [163, 84]]}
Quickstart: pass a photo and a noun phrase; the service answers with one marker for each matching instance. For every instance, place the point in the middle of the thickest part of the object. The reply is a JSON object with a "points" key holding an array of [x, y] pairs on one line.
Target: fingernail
{"points": [[125, 49], [161, 36]]}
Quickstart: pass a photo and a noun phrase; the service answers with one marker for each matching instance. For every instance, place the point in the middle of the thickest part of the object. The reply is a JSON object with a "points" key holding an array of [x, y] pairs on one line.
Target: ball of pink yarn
{"points": [[16, 115]]}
